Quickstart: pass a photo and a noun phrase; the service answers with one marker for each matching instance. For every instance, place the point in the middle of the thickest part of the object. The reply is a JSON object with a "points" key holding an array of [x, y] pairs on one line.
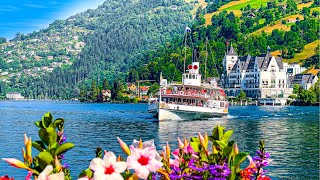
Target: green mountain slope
{"points": [[99, 43], [136, 40]]}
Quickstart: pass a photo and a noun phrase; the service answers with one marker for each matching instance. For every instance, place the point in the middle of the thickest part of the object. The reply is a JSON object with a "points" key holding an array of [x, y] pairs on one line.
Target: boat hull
{"points": [[181, 112]]}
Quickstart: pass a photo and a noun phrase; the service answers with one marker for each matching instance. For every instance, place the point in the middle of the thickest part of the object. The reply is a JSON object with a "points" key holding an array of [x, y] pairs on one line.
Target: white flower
{"points": [[44, 175], [143, 161], [108, 168]]}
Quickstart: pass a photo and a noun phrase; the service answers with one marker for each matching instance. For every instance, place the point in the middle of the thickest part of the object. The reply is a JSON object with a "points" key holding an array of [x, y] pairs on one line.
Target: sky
{"points": [[26, 16]]}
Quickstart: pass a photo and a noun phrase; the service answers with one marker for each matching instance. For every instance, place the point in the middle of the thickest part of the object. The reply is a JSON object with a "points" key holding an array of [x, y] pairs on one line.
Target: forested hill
{"points": [[136, 40], [97, 44]]}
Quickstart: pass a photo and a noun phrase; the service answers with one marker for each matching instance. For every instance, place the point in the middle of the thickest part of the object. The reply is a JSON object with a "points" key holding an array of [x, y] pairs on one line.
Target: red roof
{"points": [[144, 88]]}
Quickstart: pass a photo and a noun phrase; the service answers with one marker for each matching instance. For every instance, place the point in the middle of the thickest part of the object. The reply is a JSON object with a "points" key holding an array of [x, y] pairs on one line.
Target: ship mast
{"points": [[205, 64]]}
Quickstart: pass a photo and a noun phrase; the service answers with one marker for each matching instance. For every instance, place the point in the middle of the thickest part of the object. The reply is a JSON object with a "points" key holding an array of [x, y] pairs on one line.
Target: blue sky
{"points": [[26, 16]]}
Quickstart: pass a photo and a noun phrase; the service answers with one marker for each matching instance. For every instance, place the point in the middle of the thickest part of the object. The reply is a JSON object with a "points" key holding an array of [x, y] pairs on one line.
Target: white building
{"points": [[258, 77], [306, 81], [14, 96], [293, 69]]}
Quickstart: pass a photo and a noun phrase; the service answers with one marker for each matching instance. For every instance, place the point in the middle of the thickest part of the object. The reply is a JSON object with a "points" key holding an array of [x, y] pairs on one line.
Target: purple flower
{"points": [[219, 171], [261, 161], [66, 166]]}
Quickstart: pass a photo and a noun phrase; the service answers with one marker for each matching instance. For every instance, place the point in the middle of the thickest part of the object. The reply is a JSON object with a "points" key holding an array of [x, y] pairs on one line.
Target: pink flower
{"points": [[143, 161], [108, 168], [28, 177]]}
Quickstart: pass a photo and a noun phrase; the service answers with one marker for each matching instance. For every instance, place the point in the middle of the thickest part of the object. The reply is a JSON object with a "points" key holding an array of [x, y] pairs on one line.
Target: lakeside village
{"points": [[247, 80]]}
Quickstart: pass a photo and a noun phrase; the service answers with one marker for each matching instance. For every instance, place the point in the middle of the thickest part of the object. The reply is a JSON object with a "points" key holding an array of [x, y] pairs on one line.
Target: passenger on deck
{"points": [[175, 90]]}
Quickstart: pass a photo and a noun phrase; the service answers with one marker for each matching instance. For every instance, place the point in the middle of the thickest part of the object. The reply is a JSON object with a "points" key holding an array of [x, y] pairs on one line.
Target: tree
{"points": [[242, 95], [105, 85], [297, 88], [316, 90], [116, 91], [291, 6], [2, 40], [153, 89], [307, 97]]}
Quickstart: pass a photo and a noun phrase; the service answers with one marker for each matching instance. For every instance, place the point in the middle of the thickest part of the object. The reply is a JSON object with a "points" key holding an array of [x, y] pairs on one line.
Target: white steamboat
{"points": [[190, 100]]}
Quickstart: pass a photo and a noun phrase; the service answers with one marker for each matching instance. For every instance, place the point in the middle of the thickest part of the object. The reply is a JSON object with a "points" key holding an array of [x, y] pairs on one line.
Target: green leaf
{"points": [[39, 145], [231, 143], [57, 122], [52, 135], [227, 151], [46, 120], [63, 148], [43, 136], [194, 143], [232, 175], [39, 124], [240, 158], [217, 132], [221, 144], [88, 172], [227, 135], [48, 136], [44, 159]]}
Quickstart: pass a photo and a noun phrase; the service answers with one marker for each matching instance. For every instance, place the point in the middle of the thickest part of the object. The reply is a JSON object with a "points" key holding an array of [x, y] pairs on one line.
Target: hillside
{"points": [[308, 51], [93, 44], [136, 40]]}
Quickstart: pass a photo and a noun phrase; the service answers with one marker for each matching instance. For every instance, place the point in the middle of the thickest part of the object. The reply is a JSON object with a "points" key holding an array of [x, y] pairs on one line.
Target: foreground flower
{"points": [[143, 161], [16, 163], [219, 171], [108, 168], [6, 177], [45, 174], [124, 146]]}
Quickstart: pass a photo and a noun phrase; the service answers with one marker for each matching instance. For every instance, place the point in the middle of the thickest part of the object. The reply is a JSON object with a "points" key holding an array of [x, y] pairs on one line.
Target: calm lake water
{"points": [[291, 133]]}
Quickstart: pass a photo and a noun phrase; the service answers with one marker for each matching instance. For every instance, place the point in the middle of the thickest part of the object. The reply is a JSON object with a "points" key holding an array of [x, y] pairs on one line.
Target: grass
{"points": [[201, 3], [261, 21], [279, 25], [276, 53], [308, 51], [302, 5], [253, 3], [238, 13], [314, 9]]}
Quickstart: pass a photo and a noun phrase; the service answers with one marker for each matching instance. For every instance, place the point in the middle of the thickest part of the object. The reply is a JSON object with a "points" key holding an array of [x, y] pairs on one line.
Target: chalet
{"points": [[144, 90], [251, 15], [14, 96], [106, 94], [131, 86]]}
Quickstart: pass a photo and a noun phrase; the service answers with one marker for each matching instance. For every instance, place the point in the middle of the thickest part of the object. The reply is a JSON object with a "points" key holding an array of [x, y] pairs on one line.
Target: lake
{"points": [[291, 133]]}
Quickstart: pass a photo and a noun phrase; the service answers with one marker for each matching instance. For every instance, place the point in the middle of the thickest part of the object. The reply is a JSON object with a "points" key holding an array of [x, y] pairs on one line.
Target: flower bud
{"points": [[235, 148], [181, 145], [16, 163], [140, 144], [185, 142], [202, 141], [168, 150], [124, 146]]}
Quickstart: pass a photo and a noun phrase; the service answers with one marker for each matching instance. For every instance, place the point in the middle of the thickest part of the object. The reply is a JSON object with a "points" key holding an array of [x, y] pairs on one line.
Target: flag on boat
{"points": [[222, 93], [187, 29]]}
